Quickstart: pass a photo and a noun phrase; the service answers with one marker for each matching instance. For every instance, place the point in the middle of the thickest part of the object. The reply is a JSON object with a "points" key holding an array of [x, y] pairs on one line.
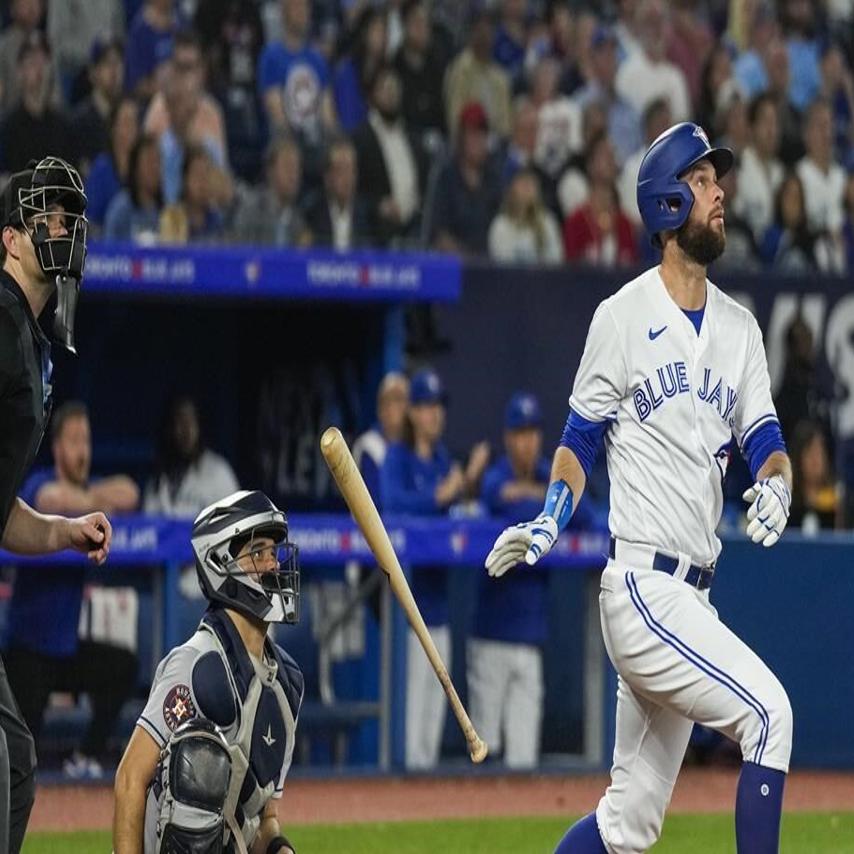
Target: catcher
{"points": [[209, 754]]}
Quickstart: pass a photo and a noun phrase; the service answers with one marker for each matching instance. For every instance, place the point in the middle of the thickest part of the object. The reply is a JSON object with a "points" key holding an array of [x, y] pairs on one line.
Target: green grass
{"points": [[803, 833]]}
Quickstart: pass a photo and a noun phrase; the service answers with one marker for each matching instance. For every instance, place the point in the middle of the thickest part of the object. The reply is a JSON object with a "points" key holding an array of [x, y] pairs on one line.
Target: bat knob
{"points": [[478, 751]]}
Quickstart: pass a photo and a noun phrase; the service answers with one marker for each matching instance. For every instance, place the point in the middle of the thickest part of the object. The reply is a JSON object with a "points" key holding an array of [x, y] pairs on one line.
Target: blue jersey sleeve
{"points": [[761, 443], [584, 438], [33, 484], [490, 490]]}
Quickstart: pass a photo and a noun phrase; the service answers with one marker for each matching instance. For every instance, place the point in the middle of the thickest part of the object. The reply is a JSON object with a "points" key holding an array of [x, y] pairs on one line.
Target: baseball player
{"points": [[504, 658], [672, 370], [42, 254], [207, 760]]}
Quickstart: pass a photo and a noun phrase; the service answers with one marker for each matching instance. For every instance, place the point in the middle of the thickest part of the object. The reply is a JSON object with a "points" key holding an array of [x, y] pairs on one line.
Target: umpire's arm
{"points": [[134, 773]]}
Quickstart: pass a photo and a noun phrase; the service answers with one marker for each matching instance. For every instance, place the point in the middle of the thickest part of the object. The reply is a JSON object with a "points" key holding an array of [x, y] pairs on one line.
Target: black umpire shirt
{"points": [[25, 369]]}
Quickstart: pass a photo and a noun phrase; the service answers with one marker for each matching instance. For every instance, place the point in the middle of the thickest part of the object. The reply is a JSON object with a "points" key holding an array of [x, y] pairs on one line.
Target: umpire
{"points": [[42, 215]]}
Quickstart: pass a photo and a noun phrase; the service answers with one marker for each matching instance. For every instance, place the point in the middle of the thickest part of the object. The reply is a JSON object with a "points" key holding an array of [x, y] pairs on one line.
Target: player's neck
{"points": [[684, 279], [251, 632]]}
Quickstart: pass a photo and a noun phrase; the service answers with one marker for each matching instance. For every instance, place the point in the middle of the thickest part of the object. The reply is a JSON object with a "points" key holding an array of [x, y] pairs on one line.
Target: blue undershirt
{"points": [[695, 316]]}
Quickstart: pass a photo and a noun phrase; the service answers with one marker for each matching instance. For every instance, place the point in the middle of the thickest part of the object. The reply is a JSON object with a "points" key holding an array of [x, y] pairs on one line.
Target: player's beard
{"points": [[701, 243]]}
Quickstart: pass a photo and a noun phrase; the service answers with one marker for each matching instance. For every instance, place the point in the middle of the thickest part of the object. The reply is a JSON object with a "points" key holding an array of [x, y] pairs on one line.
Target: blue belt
{"points": [[697, 576]]}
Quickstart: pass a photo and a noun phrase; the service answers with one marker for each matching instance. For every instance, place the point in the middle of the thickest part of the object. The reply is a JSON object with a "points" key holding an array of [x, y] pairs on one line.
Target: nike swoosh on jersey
{"points": [[654, 335]]}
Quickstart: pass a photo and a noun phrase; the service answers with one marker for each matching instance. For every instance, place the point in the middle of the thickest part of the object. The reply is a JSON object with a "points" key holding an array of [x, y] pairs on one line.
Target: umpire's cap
{"points": [[10, 204], [664, 199]]}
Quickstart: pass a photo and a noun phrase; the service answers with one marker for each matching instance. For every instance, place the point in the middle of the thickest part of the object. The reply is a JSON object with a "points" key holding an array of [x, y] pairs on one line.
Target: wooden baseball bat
{"points": [[350, 482]]}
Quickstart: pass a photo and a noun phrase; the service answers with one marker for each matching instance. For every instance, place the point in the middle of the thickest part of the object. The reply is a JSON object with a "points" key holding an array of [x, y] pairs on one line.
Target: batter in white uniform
{"points": [[672, 371]]}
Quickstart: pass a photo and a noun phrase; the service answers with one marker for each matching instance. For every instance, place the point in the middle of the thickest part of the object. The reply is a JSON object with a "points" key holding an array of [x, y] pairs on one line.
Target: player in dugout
{"points": [[207, 760], [43, 249]]}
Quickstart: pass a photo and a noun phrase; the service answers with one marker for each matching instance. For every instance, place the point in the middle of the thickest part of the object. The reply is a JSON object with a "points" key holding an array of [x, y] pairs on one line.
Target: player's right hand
{"points": [[527, 542]]}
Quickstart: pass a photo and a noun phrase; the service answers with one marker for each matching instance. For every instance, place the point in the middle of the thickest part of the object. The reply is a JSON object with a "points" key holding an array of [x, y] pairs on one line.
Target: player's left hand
{"points": [[92, 535], [769, 509], [523, 543]]}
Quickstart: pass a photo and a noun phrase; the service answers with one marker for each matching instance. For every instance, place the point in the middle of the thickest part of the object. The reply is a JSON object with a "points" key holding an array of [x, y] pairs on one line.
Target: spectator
{"points": [[823, 178], [523, 139], [760, 171], [338, 216], [419, 478], [358, 67], [74, 28], [149, 46], [111, 168], [44, 651], [732, 127], [598, 232], [597, 164], [741, 253], [837, 87], [777, 65], [182, 114], [293, 79], [390, 161], [656, 119], [26, 18], [187, 476], [134, 214], [624, 125], [421, 65], [34, 128], [473, 76], [750, 65], [197, 217], [797, 18], [646, 74], [511, 37], [505, 667], [524, 230], [815, 499], [717, 87], [558, 119], [558, 41], [467, 195], [271, 215], [90, 120], [788, 244], [848, 227], [232, 36], [689, 42], [801, 396], [627, 28], [369, 449]]}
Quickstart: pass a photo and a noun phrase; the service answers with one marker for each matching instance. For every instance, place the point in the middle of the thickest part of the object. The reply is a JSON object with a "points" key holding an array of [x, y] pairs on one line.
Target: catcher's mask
{"points": [[244, 559]]}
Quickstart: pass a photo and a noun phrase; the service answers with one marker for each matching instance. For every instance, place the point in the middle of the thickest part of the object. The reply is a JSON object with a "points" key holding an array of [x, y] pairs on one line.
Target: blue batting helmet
{"points": [[664, 200]]}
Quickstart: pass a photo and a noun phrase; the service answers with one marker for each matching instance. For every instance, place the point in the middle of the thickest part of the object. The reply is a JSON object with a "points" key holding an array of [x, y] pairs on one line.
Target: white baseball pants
{"points": [[677, 663], [505, 682], [426, 703]]}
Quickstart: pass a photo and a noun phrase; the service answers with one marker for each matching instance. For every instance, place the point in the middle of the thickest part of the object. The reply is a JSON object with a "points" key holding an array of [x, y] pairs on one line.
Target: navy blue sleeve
{"points": [[397, 494], [371, 475], [761, 443], [584, 438]]}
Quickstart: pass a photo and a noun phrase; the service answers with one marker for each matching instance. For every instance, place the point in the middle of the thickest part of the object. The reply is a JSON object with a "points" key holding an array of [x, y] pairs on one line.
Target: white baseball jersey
{"points": [[674, 399]]}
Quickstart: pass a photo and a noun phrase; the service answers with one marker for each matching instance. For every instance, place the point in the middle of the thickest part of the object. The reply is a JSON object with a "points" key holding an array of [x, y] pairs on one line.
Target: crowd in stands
{"points": [[505, 128]]}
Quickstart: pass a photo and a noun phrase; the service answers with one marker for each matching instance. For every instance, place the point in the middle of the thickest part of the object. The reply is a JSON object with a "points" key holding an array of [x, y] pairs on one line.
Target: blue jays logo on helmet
{"points": [[664, 199]]}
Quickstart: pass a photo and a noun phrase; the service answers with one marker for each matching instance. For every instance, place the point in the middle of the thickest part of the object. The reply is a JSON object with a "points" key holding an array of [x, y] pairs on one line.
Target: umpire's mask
{"points": [[41, 189]]}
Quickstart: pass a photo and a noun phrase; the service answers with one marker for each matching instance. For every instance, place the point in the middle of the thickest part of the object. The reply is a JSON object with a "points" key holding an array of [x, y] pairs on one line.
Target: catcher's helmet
{"points": [[33, 193], [664, 200], [221, 532]]}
